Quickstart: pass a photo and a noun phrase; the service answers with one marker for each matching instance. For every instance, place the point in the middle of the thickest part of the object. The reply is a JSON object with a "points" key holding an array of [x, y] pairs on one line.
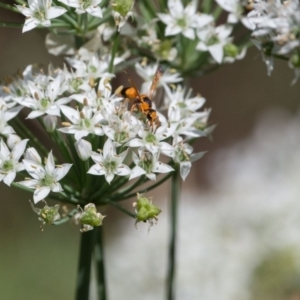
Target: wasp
{"points": [[142, 102]]}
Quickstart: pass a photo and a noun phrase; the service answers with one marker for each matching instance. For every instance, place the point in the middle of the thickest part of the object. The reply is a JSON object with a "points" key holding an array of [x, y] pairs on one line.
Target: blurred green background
{"points": [[39, 265]]}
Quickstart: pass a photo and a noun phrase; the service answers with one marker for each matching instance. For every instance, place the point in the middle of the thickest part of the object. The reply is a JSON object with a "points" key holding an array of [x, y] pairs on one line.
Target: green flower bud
{"points": [[295, 60], [48, 214], [145, 210], [90, 218], [123, 7], [231, 50]]}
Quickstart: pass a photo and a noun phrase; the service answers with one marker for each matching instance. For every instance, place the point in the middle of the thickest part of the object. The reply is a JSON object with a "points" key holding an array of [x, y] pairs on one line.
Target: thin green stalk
{"points": [[84, 266], [11, 25], [65, 219], [113, 52], [121, 208], [99, 257], [120, 197], [26, 132], [175, 194], [9, 7]]}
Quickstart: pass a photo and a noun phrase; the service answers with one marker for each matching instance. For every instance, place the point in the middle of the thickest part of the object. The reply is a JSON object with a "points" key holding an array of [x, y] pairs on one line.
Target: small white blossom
{"points": [[184, 156], [45, 178], [9, 161], [84, 122], [45, 100], [213, 39], [148, 164], [183, 20], [90, 6], [153, 141], [109, 163], [40, 12]]}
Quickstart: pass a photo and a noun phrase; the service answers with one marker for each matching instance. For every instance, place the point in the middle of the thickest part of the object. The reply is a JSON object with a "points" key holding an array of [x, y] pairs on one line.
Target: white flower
{"points": [[185, 157], [90, 6], [213, 39], [40, 12], [121, 130], [9, 161], [85, 122], [236, 9], [103, 100], [148, 164], [45, 178], [153, 141], [109, 163], [45, 100], [91, 66], [183, 20]]}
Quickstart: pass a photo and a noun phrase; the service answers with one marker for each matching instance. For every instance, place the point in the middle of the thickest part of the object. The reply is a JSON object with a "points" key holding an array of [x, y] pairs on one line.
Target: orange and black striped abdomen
{"points": [[129, 92]]}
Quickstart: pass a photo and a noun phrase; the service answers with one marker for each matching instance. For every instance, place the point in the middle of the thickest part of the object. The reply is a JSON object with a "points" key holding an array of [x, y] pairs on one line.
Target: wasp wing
{"points": [[155, 80], [133, 85]]}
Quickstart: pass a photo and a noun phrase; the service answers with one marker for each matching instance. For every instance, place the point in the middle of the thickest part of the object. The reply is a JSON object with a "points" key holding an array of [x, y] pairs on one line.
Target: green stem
{"points": [[120, 197], [175, 194], [99, 257], [84, 266], [65, 219], [113, 52], [11, 25], [121, 208], [9, 7]]}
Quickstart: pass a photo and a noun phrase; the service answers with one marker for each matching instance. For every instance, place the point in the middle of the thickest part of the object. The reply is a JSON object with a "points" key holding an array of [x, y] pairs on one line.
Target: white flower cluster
{"points": [[81, 104], [195, 26], [274, 25], [276, 31]]}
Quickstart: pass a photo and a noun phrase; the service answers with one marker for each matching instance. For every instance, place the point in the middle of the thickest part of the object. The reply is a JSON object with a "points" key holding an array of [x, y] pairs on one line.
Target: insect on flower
{"points": [[142, 102]]}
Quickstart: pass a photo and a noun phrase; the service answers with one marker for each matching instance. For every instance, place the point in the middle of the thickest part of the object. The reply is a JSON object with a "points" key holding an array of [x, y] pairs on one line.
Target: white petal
{"points": [[9, 178], [11, 113], [95, 11], [30, 183], [216, 52], [136, 172], [96, 170], [34, 169], [19, 149], [56, 188], [109, 177], [61, 171], [122, 170], [160, 167], [70, 113], [35, 114], [55, 11], [189, 33], [185, 168], [79, 134], [50, 165], [135, 143], [30, 23], [41, 193]]}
